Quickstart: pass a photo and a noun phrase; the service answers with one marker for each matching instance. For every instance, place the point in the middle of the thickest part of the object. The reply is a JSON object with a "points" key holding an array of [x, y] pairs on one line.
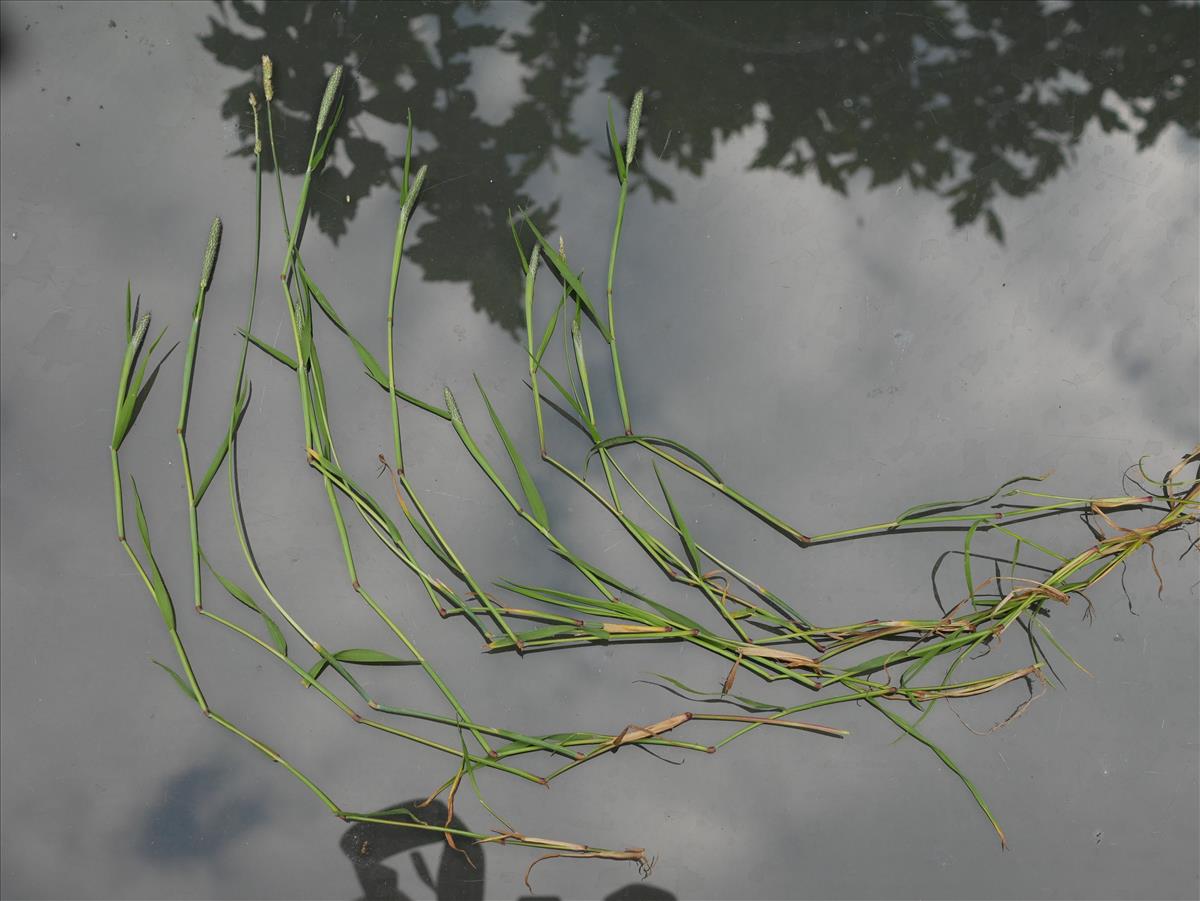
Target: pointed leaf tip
{"points": [[183, 686]]}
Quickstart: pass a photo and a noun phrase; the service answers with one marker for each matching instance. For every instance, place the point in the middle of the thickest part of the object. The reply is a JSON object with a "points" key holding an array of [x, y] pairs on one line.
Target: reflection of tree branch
{"points": [[969, 101]]}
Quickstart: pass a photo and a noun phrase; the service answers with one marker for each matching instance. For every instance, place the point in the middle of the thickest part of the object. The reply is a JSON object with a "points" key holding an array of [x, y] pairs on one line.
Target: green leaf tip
{"points": [[452, 406], [268, 70], [635, 119], [210, 254], [331, 89]]}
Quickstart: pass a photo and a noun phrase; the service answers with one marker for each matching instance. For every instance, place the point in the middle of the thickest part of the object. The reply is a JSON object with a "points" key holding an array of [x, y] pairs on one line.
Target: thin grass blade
{"points": [[946, 759], [243, 597], [948, 506], [161, 597], [179, 680], [614, 144], [223, 448], [473, 449], [736, 700], [536, 506], [619, 440], [269, 349], [685, 533], [369, 657], [571, 279]]}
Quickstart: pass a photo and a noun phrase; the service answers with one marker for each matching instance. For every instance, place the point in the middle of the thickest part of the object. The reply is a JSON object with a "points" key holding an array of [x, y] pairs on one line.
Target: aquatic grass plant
{"points": [[879, 662]]}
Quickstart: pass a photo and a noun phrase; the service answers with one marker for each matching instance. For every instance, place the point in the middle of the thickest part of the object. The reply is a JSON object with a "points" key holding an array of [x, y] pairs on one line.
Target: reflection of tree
{"points": [[970, 101]]}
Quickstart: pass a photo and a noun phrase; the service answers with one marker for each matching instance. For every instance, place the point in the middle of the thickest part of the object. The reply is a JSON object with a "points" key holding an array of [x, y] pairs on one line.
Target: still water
{"points": [[874, 254]]}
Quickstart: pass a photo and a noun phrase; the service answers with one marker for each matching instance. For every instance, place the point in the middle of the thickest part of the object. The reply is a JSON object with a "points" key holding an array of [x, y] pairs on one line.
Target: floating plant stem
{"points": [[189, 366], [406, 209], [758, 632]]}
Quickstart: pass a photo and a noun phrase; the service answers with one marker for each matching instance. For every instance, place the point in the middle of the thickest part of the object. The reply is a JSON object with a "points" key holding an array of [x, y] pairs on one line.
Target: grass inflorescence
{"points": [[901, 666]]}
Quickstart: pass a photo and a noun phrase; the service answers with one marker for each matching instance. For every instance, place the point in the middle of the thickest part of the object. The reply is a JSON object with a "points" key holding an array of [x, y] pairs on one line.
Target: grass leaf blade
{"points": [[681, 524], [536, 505], [619, 440], [179, 680], [161, 597], [571, 279]]}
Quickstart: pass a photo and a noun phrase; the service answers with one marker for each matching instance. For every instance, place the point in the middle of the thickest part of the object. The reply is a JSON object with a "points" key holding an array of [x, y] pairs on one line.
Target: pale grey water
{"points": [[842, 354]]}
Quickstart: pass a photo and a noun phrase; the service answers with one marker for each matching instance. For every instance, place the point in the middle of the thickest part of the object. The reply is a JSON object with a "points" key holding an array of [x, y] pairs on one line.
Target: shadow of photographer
{"points": [[460, 874]]}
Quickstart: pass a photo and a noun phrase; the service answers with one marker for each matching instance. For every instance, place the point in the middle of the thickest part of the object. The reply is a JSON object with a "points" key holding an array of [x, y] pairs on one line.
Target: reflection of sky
{"points": [[841, 357]]}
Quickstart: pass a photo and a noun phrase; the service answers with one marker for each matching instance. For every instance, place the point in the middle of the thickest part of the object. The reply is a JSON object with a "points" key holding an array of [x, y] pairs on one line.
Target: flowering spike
{"points": [[531, 275], [452, 407], [139, 333], [268, 85], [257, 136], [210, 254], [635, 118], [331, 89]]}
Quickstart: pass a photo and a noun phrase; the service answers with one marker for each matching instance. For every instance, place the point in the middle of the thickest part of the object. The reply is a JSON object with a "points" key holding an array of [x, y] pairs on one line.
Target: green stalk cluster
{"points": [[761, 632]]}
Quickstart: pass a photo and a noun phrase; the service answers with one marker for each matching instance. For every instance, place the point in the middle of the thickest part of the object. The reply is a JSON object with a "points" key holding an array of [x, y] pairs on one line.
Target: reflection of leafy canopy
{"points": [[966, 100]]}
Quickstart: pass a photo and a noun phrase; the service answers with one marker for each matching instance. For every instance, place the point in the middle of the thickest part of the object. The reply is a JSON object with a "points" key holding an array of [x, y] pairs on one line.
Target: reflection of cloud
{"points": [[201, 811], [758, 317], [495, 81]]}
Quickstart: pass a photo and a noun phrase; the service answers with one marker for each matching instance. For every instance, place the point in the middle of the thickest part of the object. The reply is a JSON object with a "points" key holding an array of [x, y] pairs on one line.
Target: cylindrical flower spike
{"points": [[413, 190], [210, 254], [268, 85], [635, 119], [331, 89], [257, 136], [139, 332], [531, 275], [452, 407]]}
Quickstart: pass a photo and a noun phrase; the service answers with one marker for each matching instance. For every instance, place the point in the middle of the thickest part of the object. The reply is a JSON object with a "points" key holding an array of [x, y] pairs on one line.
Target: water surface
{"points": [[875, 254]]}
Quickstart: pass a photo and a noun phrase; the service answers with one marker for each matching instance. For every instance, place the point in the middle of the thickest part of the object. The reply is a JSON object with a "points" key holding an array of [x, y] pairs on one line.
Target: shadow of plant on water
{"points": [[972, 102], [459, 875]]}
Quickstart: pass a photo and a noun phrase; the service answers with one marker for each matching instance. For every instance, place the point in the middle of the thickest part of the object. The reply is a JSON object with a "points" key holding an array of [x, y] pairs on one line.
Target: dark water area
{"points": [[874, 254]]}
